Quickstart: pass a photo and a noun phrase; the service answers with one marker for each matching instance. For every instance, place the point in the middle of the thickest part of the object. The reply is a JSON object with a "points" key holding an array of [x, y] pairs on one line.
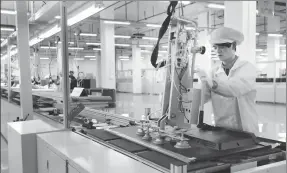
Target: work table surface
{"points": [[88, 156]]}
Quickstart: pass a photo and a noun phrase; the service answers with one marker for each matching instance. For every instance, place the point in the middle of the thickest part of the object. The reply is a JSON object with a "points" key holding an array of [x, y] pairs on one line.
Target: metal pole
{"points": [[65, 63], [9, 68]]}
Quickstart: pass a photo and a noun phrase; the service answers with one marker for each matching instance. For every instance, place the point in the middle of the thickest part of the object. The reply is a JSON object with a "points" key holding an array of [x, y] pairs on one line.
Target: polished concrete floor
{"points": [[271, 120]]}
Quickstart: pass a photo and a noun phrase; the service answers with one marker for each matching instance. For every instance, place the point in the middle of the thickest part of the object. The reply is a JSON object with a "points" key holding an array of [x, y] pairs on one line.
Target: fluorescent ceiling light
{"points": [[153, 25], [68, 42], [93, 43], [7, 29], [88, 34], [13, 46], [47, 47], [145, 51], [76, 48], [97, 49], [164, 46], [160, 51], [149, 38], [123, 45], [117, 22], [93, 59], [122, 36], [79, 59], [147, 46], [57, 17], [44, 58], [90, 56], [217, 6], [275, 35], [8, 12], [84, 14], [259, 50], [256, 33], [263, 54], [124, 59]]}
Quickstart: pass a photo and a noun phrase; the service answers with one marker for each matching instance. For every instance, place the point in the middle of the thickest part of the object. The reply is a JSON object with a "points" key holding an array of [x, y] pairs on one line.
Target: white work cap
{"points": [[226, 35]]}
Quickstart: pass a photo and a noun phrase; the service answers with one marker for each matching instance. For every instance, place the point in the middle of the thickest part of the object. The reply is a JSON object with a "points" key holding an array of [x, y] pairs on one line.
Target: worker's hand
{"points": [[203, 76]]}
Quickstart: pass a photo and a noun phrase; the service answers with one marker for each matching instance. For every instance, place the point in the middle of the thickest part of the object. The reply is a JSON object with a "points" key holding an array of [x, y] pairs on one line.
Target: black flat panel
{"points": [[127, 145], [102, 134]]}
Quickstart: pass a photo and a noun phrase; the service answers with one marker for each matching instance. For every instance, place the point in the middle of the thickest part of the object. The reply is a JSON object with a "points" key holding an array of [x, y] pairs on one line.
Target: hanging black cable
{"points": [[163, 29]]}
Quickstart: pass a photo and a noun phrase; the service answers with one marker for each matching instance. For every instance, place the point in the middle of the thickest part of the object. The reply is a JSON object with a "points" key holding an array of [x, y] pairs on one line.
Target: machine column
{"points": [[241, 15], [108, 65], [137, 67], [24, 58], [36, 63], [273, 46], [8, 60]]}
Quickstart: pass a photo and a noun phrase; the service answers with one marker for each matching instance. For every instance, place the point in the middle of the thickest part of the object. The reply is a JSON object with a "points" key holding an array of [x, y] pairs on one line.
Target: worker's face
{"points": [[224, 51]]}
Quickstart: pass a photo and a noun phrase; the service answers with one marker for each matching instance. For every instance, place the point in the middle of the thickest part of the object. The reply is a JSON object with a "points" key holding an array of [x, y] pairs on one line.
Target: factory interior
{"points": [[121, 86]]}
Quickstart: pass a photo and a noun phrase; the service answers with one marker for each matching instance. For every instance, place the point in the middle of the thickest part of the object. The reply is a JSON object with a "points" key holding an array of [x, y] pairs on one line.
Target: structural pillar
{"points": [[137, 69], [273, 46], [36, 63], [241, 15], [108, 65], [98, 69], [204, 61], [22, 25], [8, 59]]}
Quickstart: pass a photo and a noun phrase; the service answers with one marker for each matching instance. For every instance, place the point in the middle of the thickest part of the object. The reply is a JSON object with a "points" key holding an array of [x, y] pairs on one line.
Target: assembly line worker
{"points": [[231, 86]]}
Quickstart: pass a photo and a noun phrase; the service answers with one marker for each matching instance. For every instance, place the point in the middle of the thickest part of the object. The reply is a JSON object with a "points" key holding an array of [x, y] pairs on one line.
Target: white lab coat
{"points": [[233, 100]]}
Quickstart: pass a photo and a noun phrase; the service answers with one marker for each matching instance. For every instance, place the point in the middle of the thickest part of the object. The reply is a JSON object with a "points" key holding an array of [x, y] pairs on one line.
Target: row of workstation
{"points": [[102, 148]]}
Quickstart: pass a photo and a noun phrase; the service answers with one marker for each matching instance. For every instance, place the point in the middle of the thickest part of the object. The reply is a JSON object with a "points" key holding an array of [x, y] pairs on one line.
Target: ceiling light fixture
{"points": [[147, 51], [7, 29], [164, 47], [76, 48], [79, 59], [124, 59], [44, 58], [153, 25], [8, 12], [149, 38], [275, 35], [93, 43], [217, 6], [256, 33], [84, 14], [97, 49], [122, 45], [90, 56], [93, 59], [122, 36], [259, 50], [47, 47], [117, 22], [57, 17], [88, 34]]}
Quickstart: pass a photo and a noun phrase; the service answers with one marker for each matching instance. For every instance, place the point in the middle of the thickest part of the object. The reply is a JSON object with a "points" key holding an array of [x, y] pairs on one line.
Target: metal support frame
{"points": [[65, 63], [9, 68]]}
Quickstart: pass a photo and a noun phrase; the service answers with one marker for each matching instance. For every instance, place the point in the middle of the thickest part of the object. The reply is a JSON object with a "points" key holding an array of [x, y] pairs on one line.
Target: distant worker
{"points": [[73, 80], [231, 86]]}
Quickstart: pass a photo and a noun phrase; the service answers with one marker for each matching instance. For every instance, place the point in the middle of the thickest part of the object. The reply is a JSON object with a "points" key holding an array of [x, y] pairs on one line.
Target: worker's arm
{"points": [[207, 92], [238, 85]]}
